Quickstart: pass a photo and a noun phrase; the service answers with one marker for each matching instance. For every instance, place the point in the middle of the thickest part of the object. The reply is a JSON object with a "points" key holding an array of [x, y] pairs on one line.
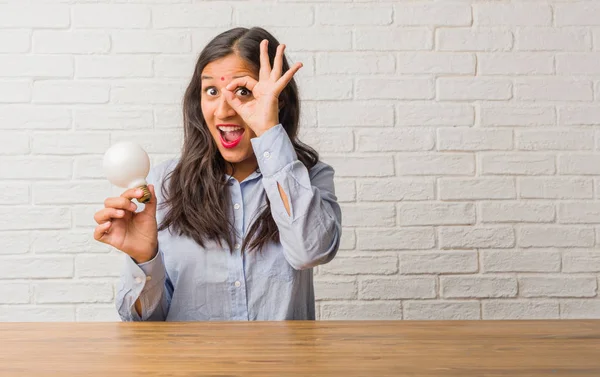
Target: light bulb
{"points": [[126, 164]]}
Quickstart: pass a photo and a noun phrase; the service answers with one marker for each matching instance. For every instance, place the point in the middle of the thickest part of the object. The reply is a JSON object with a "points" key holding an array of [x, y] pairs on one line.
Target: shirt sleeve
{"points": [[311, 233], [150, 283]]}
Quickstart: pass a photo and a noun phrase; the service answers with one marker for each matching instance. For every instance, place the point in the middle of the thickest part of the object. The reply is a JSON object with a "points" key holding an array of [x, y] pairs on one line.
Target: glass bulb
{"points": [[126, 164]]}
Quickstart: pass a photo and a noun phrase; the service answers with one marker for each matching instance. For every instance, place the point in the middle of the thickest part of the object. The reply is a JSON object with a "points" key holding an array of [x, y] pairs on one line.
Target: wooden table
{"points": [[355, 348]]}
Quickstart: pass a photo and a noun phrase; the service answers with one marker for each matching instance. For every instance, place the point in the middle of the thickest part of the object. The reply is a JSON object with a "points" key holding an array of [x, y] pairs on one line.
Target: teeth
{"points": [[229, 129]]}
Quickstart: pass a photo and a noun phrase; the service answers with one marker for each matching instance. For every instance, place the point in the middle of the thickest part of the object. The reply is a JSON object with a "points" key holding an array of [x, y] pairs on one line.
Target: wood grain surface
{"points": [[303, 348]]}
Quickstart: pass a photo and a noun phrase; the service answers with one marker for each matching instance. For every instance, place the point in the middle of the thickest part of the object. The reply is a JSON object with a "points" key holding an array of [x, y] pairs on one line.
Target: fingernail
{"points": [[120, 212]]}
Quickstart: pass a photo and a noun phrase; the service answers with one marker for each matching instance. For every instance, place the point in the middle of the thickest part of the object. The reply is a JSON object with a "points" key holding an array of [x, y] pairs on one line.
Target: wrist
{"points": [[145, 258], [261, 131]]}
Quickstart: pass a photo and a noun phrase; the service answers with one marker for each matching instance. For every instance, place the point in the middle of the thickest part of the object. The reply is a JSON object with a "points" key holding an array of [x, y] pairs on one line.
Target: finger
{"points": [[101, 230], [121, 202], [107, 214], [265, 64], [233, 101], [150, 206], [246, 81], [285, 79], [278, 63]]}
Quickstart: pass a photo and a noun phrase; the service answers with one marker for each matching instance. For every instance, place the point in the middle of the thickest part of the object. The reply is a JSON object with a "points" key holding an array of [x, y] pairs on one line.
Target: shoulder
{"points": [[321, 168]]}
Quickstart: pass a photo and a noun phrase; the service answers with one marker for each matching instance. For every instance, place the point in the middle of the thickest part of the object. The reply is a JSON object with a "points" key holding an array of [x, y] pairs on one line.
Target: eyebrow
{"points": [[203, 77]]}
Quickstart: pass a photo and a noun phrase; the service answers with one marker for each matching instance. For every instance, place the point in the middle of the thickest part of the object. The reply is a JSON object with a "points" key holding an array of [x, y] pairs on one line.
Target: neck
{"points": [[244, 168]]}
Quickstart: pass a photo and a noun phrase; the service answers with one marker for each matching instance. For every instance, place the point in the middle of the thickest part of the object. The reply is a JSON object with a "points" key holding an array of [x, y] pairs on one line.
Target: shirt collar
{"points": [[255, 174]]}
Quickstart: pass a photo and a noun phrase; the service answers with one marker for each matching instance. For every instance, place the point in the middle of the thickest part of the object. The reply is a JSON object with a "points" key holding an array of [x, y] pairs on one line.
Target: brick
{"points": [[345, 190], [517, 163], [467, 89], [160, 42], [14, 293], [425, 262], [369, 215], [347, 63], [98, 265], [70, 42], [14, 193], [316, 38], [86, 167], [147, 93], [152, 142], [397, 288], [69, 143], [433, 114], [578, 64], [348, 241], [31, 167], [70, 92], [393, 39], [408, 139], [353, 15], [556, 188], [110, 118], [435, 213], [478, 286], [512, 15], [517, 211], [15, 92], [580, 309], [338, 289], [585, 115], [354, 114], [436, 63], [511, 116], [396, 239], [581, 261], [34, 16], [19, 117], [187, 16], [174, 66], [113, 66], [555, 89], [67, 242], [37, 313], [58, 292], [15, 242], [396, 189], [441, 310], [555, 236], [168, 118], [472, 237], [476, 188], [36, 267], [468, 39], [468, 139], [14, 41], [579, 213], [519, 309], [336, 140], [361, 166], [520, 261], [29, 66], [397, 89], [361, 310], [552, 39], [515, 63], [557, 286], [34, 218], [577, 14], [579, 164], [435, 164], [13, 142], [109, 16], [361, 265], [432, 14], [326, 88], [97, 313], [70, 192]]}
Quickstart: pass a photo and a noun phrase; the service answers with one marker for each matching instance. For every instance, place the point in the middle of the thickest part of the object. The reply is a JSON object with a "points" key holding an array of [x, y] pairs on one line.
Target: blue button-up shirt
{"points": [[186, 282]]}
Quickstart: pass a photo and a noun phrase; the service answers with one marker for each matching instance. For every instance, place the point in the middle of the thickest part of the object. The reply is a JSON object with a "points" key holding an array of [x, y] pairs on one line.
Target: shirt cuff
{"points": [[150, 273], [274, 150]]}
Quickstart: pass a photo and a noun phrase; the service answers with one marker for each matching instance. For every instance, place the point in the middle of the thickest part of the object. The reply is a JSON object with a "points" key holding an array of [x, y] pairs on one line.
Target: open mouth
{"points": [[231, 135]]}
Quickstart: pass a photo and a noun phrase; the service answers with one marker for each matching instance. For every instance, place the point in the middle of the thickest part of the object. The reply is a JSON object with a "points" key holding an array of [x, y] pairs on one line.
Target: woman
{"points": [[244, 213]]}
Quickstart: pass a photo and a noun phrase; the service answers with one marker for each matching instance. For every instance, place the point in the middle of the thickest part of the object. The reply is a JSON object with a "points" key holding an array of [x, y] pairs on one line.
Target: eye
{"points": [[243, 91], [211, 89]]}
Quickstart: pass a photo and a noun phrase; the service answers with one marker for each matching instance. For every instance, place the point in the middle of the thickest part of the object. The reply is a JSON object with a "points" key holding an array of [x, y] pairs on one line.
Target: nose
{"points": [[224, 110]]}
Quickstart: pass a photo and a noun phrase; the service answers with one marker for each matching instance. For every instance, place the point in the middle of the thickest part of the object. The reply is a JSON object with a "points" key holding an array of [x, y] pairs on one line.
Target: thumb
{"points": [[150, 206]]}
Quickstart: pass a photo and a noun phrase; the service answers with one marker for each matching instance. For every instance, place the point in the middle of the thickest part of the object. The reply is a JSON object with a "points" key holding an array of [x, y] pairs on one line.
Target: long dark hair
{"points": [[197, 194]]}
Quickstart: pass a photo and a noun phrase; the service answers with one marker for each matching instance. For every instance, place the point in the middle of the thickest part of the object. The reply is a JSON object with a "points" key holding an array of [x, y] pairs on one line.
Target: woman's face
{"points": [[227, 127]]}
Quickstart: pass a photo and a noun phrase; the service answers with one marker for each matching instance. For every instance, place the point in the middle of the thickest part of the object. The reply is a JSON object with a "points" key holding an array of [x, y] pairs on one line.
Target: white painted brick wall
{"points": [[465, 138]]}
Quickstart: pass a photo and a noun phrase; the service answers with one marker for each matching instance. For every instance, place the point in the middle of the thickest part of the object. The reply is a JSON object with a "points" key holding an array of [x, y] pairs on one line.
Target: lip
{"points": [[230, 144]]}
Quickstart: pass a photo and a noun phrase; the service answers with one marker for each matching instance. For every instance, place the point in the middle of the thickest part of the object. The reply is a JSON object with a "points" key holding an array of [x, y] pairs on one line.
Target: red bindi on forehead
{"points": [[222, 78]]}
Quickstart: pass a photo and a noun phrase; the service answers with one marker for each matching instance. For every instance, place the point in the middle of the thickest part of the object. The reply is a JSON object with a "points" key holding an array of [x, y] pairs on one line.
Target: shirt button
{"points": [[237, 246], [267, 154], [148, 278], [238, 284], [236, 206], [258, 170], [138, 280]]}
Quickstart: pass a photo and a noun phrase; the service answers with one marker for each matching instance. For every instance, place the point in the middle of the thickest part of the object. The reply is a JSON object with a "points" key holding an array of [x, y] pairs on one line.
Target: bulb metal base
{"points": [[147, 195]]}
